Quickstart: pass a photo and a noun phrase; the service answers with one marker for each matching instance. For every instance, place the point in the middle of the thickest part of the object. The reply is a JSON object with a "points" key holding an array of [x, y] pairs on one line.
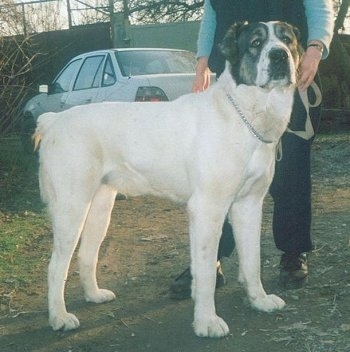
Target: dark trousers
{"points": [[290, 190]]}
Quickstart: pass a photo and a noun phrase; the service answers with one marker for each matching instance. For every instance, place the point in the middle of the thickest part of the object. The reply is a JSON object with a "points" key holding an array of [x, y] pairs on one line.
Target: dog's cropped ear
{"points": [[229, 45], [298, 36], [296, 32]]}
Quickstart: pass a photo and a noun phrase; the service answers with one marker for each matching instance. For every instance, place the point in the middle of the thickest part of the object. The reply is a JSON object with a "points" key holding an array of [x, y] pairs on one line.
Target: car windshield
{"points": [[146, 62]]}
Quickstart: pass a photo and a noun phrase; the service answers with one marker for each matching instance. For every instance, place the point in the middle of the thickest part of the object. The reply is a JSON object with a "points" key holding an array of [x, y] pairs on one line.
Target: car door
{"points": [[58, 91], [87, 82], [113, 86]]}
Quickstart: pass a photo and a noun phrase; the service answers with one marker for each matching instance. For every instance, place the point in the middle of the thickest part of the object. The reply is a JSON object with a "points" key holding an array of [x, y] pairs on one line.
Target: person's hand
{"points": [[308, 67], [202, 79]]}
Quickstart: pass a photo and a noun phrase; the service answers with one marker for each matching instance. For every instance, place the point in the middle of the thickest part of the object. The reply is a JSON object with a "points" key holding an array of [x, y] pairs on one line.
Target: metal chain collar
{"points": [[246, 122]]}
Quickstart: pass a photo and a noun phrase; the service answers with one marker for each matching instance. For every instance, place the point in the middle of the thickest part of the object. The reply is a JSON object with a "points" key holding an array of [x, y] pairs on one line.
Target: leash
{"points": [[309, 130]]}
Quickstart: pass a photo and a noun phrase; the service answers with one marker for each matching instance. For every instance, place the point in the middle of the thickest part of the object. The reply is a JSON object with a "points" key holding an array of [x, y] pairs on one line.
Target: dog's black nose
{"points": [[278, 55]]}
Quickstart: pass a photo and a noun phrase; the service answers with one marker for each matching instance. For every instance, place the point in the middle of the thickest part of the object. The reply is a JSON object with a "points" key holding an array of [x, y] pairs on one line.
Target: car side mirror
{"points": [[44, 88]]}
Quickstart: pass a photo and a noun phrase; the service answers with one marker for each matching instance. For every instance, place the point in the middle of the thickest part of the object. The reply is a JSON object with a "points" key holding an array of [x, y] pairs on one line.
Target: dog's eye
{"points": [[286, 40], [255, 43]]}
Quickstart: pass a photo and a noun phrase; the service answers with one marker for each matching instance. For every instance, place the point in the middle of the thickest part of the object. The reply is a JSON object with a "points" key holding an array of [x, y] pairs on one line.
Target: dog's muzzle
{"points": [[279, 65]]}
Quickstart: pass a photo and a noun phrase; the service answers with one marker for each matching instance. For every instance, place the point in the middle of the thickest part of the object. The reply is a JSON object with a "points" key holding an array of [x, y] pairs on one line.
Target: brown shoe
{"points": [[180, 288], [293, 270]]}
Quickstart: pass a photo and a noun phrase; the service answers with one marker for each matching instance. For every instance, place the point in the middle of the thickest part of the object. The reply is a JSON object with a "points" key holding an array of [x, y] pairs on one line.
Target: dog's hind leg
{"points": [[246, 216], [94, 232], [67, 219], [206, 219]]}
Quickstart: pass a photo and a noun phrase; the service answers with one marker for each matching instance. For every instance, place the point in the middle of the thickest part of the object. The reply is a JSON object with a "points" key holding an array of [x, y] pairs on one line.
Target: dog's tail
{"points": [[45, 121]]}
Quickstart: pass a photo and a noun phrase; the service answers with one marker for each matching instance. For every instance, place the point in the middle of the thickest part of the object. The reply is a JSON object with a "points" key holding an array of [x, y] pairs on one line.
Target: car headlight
{"points": [[152, 94]]}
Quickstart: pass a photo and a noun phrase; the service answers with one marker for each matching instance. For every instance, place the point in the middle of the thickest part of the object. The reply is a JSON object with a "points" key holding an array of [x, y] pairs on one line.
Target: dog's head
{"points": [[263, 54]]}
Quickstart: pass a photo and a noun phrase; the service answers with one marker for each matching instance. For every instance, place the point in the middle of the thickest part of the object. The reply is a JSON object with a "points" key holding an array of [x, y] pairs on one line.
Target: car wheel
{"points": [[27, 130]]}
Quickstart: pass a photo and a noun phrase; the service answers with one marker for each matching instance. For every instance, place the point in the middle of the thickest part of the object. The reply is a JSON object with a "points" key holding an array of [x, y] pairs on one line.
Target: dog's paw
{"points": [[269, 303], [64, 322], [212, 327], [100, 296]]}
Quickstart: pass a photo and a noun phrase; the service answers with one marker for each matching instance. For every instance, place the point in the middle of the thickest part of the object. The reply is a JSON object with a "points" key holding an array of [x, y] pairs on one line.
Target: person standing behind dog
{"points": [[291, 186]]}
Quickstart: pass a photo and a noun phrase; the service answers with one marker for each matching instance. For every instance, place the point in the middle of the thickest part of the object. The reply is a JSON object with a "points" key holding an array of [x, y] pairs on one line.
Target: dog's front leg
{"points": [[246, 217], [206, 221]]}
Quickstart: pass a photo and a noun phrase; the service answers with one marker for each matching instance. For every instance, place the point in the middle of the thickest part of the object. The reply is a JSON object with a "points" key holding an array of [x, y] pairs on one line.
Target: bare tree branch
{"points": [[153, 11], [15, 65]]}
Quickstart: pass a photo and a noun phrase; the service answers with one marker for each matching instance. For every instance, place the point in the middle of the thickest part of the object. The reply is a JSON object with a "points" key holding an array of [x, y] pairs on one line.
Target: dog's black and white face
{"points": [[263, 54]]}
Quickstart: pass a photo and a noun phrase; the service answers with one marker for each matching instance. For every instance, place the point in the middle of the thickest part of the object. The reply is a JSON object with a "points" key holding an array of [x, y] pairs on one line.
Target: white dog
{"points": [[214, 150]]}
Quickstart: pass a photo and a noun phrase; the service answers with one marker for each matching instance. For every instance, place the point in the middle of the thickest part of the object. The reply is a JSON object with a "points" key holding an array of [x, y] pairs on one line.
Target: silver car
{"points": [[113, 75]]}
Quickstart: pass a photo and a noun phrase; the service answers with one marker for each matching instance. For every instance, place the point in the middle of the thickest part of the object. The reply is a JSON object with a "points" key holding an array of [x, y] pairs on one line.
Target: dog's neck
{"points": [[267, 110]]}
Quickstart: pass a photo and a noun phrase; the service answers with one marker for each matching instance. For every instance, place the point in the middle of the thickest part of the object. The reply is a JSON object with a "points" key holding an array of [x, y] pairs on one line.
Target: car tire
{"points": [[27, 130]]}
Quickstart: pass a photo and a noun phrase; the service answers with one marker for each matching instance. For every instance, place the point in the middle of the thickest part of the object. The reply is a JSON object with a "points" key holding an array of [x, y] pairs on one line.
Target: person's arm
{"points": [[320, 20], [206, 30], [205, 45]]}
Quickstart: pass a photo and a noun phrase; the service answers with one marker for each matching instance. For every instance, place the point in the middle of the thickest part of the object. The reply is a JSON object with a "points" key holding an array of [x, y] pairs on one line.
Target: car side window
{"points": [[63, 81], [109, 77], [89, 74]]}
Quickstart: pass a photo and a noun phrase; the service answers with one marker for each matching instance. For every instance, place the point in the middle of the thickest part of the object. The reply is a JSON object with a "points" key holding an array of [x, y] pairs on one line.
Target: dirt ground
{"points": [[147, 246]]}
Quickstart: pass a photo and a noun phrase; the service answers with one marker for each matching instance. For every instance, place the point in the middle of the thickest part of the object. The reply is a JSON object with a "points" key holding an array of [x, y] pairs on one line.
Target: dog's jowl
{"points": [[213, 150]]}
